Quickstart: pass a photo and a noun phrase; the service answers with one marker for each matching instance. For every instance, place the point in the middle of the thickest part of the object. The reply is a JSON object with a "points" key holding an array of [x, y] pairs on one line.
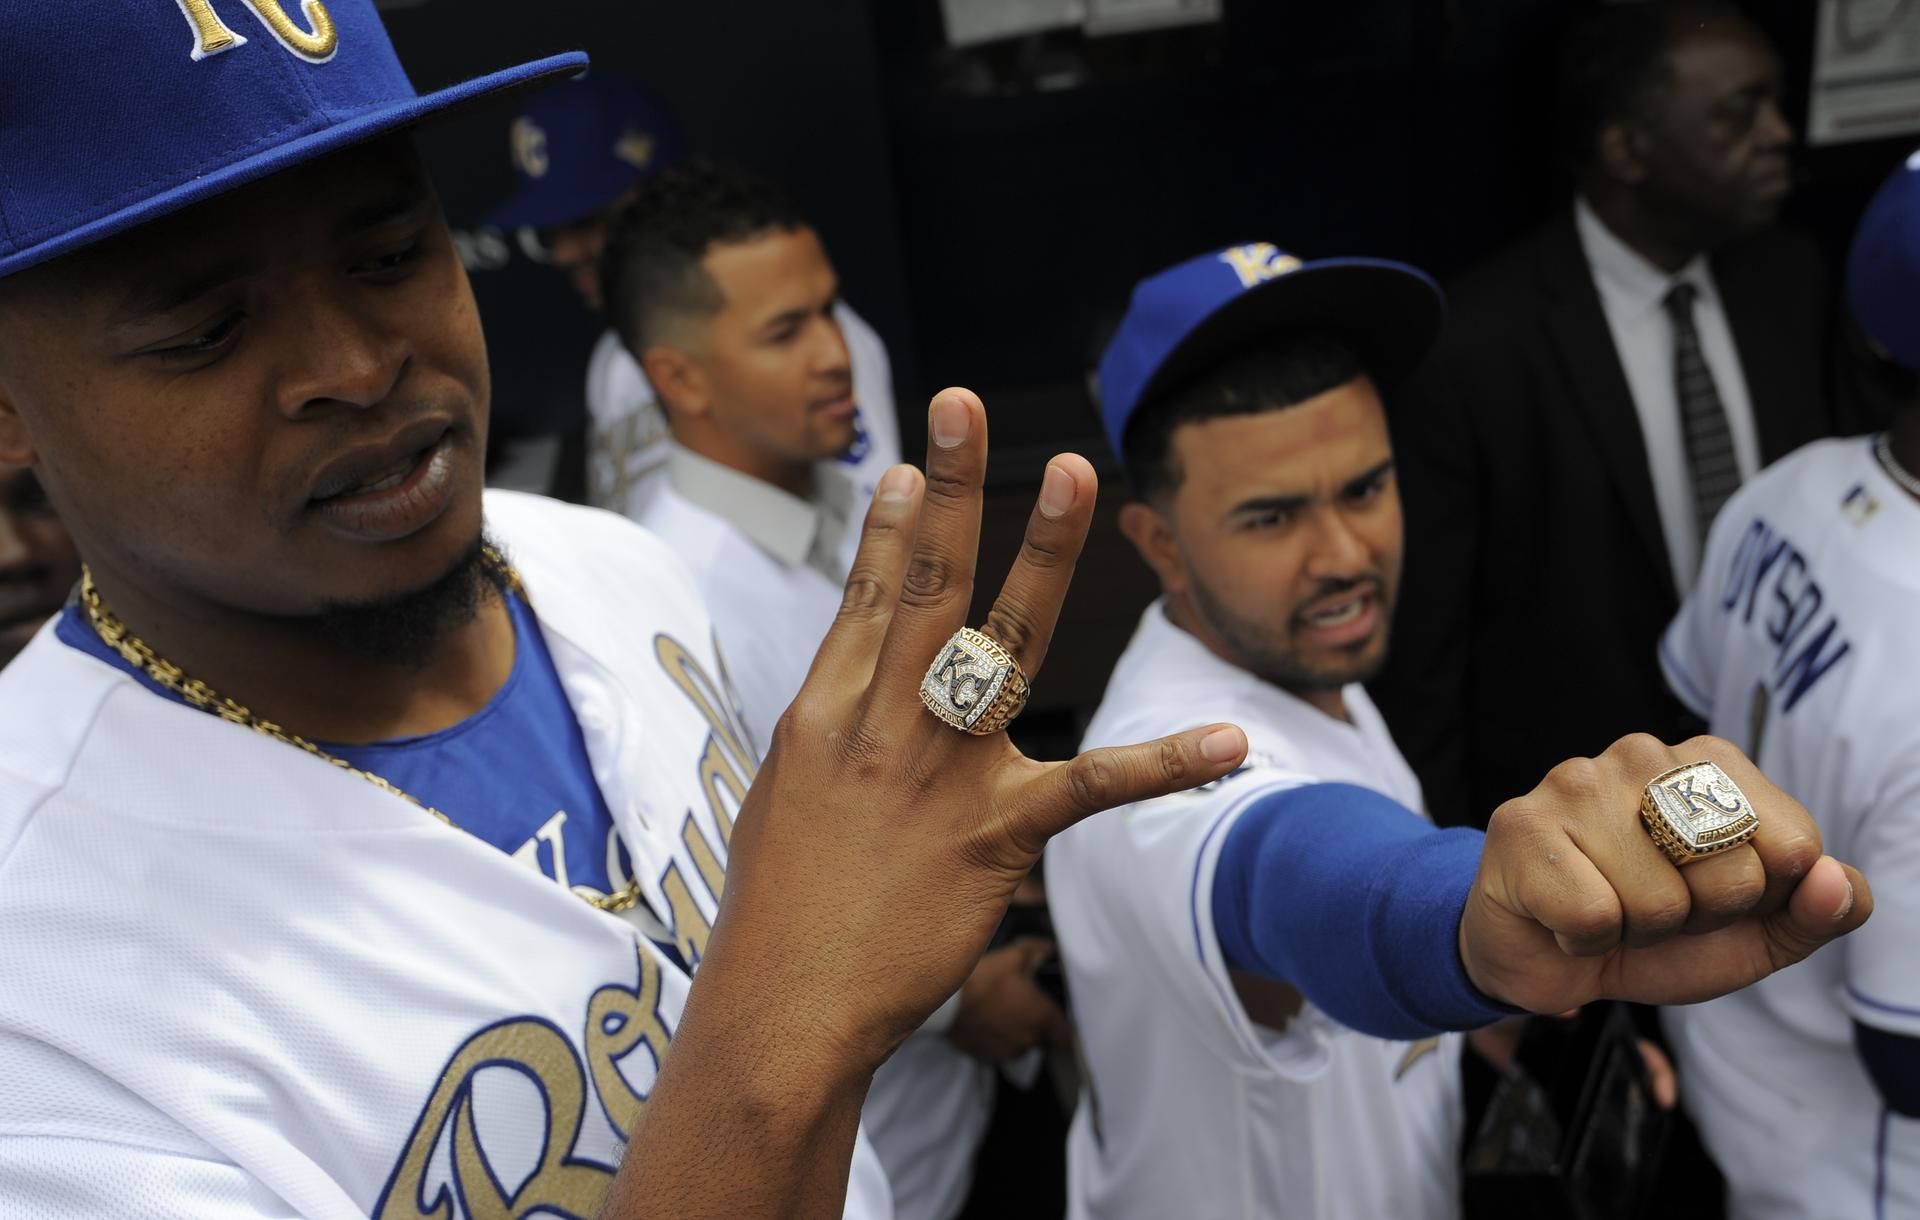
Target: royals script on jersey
{"points": [[1191, 1109], [1801, 644], [239, 982]]}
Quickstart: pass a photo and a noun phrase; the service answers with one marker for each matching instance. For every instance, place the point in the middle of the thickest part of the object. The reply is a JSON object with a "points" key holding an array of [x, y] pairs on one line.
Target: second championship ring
{"points": [[1697, 811], [974, 685]]}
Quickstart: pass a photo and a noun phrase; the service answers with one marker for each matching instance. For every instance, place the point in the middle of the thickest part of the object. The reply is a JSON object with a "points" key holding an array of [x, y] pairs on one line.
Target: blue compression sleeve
{"points": [[1893, 1060], [1355, 900]]}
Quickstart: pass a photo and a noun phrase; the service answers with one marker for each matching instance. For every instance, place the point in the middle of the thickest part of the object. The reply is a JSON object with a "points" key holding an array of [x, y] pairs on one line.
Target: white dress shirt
{"points": [[1633, 296]]}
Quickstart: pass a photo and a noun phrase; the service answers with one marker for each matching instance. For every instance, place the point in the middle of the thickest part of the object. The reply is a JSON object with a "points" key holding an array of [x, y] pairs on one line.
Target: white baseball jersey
{"points": [[627, 433], [930, 1104], [1191, 1109], [1801, 644], [236, 981]]}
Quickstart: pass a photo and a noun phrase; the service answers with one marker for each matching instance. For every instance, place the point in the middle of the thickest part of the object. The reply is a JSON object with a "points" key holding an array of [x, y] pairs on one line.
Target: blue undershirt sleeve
{"points": [[1355, 900], [1893, 1061]]}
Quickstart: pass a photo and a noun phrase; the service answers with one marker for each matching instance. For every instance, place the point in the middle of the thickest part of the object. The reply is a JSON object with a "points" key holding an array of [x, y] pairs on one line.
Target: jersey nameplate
{"points": [[1770, 589]]}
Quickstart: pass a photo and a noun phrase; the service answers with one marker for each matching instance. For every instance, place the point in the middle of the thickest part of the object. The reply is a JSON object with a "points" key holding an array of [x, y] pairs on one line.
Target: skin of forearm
{"points": [[754, 1113]]}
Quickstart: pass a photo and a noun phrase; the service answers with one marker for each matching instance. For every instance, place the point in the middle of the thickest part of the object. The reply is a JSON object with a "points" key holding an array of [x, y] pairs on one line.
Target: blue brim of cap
{"points": [[1388, 312], [553, 201], [352, 129]]}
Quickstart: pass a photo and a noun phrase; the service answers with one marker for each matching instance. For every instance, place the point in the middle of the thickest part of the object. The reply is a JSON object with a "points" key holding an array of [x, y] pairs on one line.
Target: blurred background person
{"points": [[38, 565], [580, 150], [1600, 390], [1801, 643], [723, 294]]}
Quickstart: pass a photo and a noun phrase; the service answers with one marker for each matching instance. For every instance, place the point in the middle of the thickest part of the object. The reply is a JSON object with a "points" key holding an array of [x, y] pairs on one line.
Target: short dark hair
{"points": [[1274, 375], [650, 271], [1614, 58]]}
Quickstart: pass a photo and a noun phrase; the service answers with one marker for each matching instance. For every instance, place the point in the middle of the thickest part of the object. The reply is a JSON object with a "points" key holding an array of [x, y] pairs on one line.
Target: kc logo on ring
{"points": [[211, 35]]}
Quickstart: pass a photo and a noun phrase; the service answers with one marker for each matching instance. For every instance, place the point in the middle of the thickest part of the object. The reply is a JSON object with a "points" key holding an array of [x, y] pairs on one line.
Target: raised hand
{"points": [[1574, 902], [878, 848]]}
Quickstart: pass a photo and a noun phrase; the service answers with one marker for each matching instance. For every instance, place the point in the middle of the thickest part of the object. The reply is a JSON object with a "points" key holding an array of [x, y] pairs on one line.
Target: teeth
{"points": [[392, 476], [1345, 612]]}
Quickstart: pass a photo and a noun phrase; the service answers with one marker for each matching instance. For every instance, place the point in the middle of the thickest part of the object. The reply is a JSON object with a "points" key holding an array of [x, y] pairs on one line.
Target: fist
{"points": [[1574, 902]]}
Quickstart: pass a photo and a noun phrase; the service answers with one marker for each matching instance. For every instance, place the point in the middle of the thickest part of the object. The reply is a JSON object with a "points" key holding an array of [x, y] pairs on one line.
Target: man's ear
{"points": [[1622, 152], [1152, 536], [678, 381]]}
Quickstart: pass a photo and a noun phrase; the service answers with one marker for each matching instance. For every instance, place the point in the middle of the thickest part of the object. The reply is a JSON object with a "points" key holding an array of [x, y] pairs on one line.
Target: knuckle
{"points": [[1091, 781], [1046, 549], [1595, 921], [1011, 623], [1174, 762], [946, 486], [930, 581], [865, 594], [1583, 780], [1659, 914], [1642, 751]]}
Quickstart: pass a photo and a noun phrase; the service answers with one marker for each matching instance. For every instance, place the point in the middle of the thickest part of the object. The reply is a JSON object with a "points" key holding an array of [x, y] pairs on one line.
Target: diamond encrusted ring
{"points": [[1697, 811], [974, 685]]}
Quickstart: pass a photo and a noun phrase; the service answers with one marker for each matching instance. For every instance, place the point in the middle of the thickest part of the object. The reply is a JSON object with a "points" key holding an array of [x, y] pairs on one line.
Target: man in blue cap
{"points": [[580, 150], [361, 834], [1242, 394], [1801, 641]]}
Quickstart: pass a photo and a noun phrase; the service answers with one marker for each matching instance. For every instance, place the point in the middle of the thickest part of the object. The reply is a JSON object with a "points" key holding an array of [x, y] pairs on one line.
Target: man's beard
{"points": [[1262, 650], [407, 629]]}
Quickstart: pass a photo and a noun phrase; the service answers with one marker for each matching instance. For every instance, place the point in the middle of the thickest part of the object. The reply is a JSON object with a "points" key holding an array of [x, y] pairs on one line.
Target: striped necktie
{"points": [[1703, 421]]}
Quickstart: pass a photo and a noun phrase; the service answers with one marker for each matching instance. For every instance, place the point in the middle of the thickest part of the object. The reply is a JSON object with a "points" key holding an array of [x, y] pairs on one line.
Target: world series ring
{"points": [[1697, 811], [974, 684]]}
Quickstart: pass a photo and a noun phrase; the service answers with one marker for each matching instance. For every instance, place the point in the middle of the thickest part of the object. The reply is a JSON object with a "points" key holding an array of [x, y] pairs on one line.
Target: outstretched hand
{"points": [[878, 847], [1574, 902]]}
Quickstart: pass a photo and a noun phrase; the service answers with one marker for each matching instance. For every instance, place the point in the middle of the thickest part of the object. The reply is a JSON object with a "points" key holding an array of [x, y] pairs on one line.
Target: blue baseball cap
{"points": [[1195, 314], [579, 146], [117, 112], [1883, 267]]}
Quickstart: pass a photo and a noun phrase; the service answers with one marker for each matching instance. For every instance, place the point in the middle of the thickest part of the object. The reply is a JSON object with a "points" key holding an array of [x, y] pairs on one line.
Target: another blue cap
{"points": [[579, 146], [1883, 267], [1193, 315], [117, 112]]}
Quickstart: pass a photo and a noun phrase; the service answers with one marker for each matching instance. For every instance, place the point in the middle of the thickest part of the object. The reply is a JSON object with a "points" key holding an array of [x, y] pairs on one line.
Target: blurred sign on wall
{"points": [[972, 22], [1866, 71]]}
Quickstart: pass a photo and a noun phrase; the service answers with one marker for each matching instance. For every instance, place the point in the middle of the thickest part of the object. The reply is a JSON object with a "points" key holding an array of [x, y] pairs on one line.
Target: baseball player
{"points": [[1802, 642], [1240, 393], [579, 151], [283, 920]]}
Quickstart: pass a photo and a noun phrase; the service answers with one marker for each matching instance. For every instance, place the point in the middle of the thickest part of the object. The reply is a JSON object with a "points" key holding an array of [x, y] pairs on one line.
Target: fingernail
{"points": [[1846, 904], [951, 422], [1221, 745], [895, 485], [1056, 492]]}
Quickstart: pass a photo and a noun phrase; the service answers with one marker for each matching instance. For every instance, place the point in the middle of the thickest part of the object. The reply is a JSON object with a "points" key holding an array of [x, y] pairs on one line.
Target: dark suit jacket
{"points": [[1537, 581]]}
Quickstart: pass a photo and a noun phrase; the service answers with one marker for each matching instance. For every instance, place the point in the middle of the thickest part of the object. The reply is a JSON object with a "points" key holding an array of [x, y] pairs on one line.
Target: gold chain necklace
{"points": [[198, 694]]}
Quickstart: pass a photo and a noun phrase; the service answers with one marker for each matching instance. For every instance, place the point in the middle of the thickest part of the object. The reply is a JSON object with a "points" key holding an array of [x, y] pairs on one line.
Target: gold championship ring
{"points": [[974, 685], [1697, 811]]}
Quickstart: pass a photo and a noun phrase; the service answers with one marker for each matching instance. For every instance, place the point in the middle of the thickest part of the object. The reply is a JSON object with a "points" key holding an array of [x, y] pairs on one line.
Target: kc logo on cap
{"points": [[212, 35], [169, 105], [1258, 263]]}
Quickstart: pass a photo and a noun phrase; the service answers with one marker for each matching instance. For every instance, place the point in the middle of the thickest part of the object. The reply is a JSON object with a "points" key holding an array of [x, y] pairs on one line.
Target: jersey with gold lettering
{"points": [[236, 981], [1801, 644], [1191, 1108]]}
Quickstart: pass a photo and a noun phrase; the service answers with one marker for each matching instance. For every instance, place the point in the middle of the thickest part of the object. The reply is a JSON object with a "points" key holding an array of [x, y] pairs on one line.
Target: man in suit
{"points": [[1602, 387]]}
